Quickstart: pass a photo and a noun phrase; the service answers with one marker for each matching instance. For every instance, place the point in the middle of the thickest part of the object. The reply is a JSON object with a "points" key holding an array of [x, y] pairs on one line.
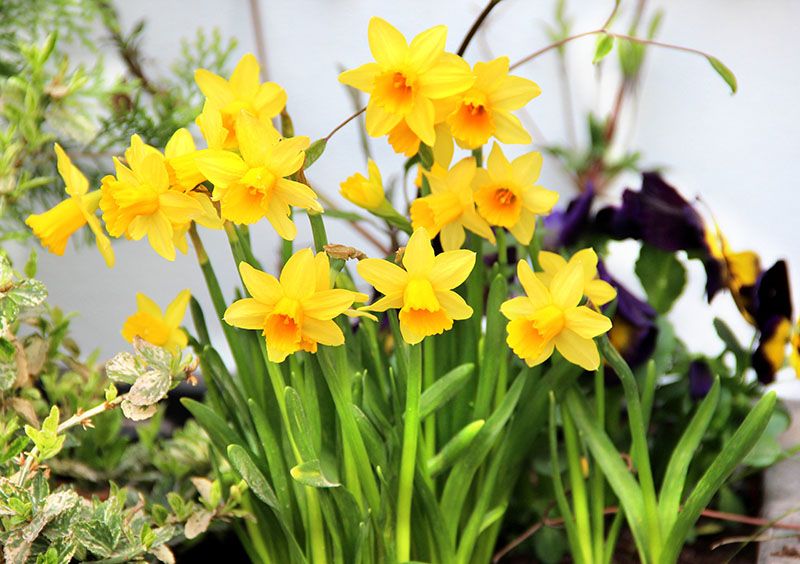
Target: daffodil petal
{"points": [[578, 350], [586, 322], [454, 305], [327, 304], [295, 275], [262, 286], [451, 268], [418, 257], [386, 277]]}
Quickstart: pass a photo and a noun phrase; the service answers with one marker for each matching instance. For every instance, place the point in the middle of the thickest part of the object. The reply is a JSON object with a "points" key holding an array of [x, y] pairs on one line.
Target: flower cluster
{"points": [[427, 101]]}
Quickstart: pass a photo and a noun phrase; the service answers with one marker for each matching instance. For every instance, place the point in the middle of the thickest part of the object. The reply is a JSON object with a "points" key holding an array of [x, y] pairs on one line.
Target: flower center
{"points": [[548, 321], [259, 179], [500, 205], [419, 295], [394, 91], [282, 327]]}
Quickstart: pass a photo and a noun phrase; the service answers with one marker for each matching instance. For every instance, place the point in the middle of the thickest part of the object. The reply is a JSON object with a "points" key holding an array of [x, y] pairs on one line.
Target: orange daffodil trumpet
{"points": [[406, 79], [296, 311], [507, 195], [423, 289], [55, 226], [156, 327], [252, 185], [551, 317]]}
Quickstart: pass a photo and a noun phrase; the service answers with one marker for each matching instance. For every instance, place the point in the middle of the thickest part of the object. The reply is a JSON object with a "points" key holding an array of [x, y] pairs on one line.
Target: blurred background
{"points": [[740, 153]]}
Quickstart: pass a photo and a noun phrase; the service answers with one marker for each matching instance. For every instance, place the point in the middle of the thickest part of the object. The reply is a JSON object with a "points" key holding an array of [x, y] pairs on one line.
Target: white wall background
{"points": [[740, 152]]}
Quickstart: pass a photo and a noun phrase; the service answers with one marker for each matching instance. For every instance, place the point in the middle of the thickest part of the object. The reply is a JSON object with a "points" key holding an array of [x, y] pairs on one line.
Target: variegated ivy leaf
{"points": [[123, 368], [155, 357], [6, 272], [28, 293], [137, 412], [197, 523], [150, 388]]}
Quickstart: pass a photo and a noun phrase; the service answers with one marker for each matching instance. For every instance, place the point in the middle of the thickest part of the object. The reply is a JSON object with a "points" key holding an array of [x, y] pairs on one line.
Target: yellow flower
{"points": [[450, 208], [598, 291], [551, 317], [294, 312], [485, 109], [405, 79], [179, 153], [139, 201], [404, 141], [253, 185], [423, 291], [244, 91], [740, 270], [155, 327], [507, 195], [366, 193], [55, 226]]}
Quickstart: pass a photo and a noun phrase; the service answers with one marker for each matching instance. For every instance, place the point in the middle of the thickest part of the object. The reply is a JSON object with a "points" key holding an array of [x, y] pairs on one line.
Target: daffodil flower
{"points": [[405, 79], [598, 291], [507, 195], [450, 207], [485, 109], [156, 327], [364, 192], [55, 226], [244, 91], [552, 317], [254, 185], [296, 311], [138, 201], [423, 289]]}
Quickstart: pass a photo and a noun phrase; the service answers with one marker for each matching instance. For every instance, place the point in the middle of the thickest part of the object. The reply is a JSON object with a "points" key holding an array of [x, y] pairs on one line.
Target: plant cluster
{"points": [[404, 423]]}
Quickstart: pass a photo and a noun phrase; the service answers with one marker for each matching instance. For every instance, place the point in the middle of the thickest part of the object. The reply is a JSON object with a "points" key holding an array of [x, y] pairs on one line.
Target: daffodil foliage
{"points": [[385, 411]]}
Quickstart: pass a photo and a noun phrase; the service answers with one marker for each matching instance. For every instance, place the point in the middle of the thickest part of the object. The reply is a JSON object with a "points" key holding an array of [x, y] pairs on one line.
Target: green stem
{"points": [[429, 376], [502, 247], [580, 502], [409, 455], [597, 483]]}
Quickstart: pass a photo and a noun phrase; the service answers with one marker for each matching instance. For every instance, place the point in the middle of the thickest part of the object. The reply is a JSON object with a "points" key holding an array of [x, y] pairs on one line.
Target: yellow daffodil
{"points": [[254, 185], [156, 327], [507, 195], [244, 91], [450, 208], [55, 226], [138, 202], [296, 311], [485, 109], [423, 290], [406, 78], [551, 317], [180, 152], [364, 192], [598, 291], [210, 124]]}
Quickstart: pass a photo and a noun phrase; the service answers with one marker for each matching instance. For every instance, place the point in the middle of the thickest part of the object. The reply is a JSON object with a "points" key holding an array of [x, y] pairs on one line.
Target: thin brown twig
{"points": [[476, 25], [626, 37], [709, 513], [345, 122], [258, 35]]}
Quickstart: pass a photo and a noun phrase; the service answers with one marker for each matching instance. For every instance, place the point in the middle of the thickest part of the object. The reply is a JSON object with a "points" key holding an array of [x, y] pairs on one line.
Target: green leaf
{"points": [[28, 293], [444, 389], [314, 152], [737, 447], [614, 469], [605, 43], [454, 449], [675, 476], [662, 275], [216, 427], [250, 473], [30, 266], [726, 73], [298, 424], [310, 474], [494, 349]]}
